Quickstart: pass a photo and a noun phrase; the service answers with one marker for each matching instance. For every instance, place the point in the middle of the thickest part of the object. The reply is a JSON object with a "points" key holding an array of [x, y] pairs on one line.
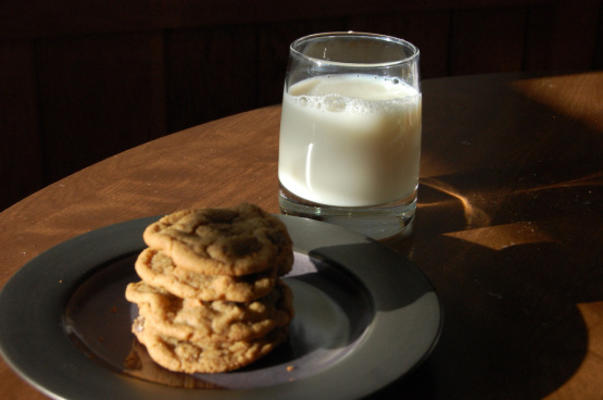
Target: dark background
{"points": [[82, 80]]}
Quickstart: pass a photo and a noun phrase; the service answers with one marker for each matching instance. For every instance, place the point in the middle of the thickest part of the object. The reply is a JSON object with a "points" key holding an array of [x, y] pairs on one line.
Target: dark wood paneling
{"points": [[210, 73], [42, 18], [538, 38], [563, 37], [574, 35], [598, 63], [427, 30], [485, 41], [273, 49], [99, 96], [20, 151]]}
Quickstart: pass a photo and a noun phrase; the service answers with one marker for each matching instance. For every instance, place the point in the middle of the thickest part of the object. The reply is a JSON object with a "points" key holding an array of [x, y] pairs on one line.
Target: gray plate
{"points": [[364, 317]]}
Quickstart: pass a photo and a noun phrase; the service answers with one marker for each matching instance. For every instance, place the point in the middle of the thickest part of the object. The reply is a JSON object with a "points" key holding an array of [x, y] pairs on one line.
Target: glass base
{"points": [[377, 222]]}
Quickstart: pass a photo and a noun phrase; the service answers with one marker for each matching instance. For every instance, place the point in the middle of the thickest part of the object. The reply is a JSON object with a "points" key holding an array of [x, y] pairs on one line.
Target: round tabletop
{"points": [[508, 226]]}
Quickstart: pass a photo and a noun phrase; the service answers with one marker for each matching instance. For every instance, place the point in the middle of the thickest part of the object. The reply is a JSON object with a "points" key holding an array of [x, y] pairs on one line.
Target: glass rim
{"points": [[367, 35]]}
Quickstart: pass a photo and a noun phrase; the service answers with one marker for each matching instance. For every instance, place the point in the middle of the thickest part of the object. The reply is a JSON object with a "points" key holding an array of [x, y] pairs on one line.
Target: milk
{"points": [[350, 140]]}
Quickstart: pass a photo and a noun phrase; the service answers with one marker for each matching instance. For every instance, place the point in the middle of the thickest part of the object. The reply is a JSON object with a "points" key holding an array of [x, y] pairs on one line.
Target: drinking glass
{"points": [[350, 132]]}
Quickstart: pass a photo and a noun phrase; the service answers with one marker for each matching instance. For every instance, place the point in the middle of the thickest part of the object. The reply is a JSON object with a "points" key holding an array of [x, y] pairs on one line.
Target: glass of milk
{"points": [[350, 133]]}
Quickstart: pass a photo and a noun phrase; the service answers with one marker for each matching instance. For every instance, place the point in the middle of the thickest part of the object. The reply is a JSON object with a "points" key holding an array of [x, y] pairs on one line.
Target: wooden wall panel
{"points": [[598, 59], [428, 30], [538, 38], [487, 41], [20, 149], [573, 43], [43, 18], [564, 36], [211, 73], [99, 95], [273, 50]]}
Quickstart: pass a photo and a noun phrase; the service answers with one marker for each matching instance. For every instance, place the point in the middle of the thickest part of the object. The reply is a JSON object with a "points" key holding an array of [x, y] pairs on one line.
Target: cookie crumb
{"points": [[290, 368], [133, 361], [60, 281]]}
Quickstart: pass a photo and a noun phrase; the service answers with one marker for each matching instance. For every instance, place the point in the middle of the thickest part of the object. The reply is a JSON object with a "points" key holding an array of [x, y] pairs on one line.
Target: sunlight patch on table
{"points": [[575, 102], [500, 237]]}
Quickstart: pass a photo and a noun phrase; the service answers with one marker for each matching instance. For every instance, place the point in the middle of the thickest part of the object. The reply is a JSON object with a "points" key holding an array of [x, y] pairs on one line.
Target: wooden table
{"points": [[509, 225]]}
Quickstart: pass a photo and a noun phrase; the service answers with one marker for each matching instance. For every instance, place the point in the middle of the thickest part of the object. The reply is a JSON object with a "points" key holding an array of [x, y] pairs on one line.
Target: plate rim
{"points": [[308, 236]]}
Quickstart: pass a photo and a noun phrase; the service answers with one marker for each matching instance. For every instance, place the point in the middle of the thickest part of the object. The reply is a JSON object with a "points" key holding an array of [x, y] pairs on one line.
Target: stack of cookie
{"points": [[210, 299]]}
